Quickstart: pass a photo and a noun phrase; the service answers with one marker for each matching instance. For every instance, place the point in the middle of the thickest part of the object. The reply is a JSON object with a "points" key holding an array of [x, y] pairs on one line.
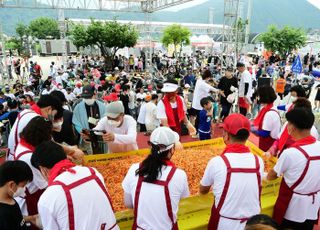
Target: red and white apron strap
{"points": [[17, 127], [214, 220], [67, 188], [165, 184]]}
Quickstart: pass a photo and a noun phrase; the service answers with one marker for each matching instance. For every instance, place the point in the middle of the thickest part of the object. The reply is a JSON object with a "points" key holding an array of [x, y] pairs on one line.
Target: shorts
{"points": [[204, 136], [243, 103]]}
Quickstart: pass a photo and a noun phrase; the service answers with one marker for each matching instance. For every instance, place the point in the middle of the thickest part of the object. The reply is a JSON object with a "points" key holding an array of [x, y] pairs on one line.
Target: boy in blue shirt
{"points": [[205, 119]]}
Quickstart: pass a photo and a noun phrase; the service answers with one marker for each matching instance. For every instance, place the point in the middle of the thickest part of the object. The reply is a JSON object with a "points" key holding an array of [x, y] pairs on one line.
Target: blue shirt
{"points": [[204, 122]]}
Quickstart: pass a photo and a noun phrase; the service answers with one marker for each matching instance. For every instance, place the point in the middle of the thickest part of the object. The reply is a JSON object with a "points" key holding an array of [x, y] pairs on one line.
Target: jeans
{"points": [[225, 110]]}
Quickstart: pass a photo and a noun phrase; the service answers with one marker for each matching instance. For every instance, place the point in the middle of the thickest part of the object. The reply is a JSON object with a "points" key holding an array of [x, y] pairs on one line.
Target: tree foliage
{"points": [[44, 27], [108, 36], [283, 40], [177, 35]]}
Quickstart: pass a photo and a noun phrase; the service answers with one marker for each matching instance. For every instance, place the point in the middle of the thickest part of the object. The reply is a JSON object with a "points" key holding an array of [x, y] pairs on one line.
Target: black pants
{"points": [[307, 225], [196, 123], [243, 111], [143, 128], [225, 110]]}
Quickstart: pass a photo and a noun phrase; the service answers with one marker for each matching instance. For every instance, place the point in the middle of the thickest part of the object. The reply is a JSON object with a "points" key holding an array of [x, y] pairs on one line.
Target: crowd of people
{"points": [[49, 122]]}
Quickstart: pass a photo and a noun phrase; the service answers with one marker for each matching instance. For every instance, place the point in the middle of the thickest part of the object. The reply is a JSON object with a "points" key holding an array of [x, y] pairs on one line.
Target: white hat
{"points": [[169, 88], [114, 109], [164, 136]]}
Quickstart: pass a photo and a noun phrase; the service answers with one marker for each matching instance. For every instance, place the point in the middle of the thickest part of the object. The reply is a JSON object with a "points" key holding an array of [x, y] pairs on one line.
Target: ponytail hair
{"points": [[150, 168]]}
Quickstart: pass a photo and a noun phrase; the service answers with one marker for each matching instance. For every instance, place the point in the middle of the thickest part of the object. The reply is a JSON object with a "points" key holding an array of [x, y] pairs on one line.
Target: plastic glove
{"points": [[191, 129]]}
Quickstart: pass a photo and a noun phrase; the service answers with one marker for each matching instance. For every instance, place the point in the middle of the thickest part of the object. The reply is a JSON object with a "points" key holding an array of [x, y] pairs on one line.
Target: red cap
{"points": [[235, 122]]}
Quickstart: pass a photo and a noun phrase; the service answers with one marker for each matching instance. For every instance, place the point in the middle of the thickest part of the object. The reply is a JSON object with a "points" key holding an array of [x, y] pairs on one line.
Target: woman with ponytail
{"points": [[154, 187]]}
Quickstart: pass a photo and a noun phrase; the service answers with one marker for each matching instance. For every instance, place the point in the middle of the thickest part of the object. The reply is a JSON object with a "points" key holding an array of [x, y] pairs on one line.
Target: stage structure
{"points": [[143, 6]]}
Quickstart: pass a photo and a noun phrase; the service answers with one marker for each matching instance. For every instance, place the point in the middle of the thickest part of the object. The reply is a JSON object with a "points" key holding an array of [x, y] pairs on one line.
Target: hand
{"points": [[84, 135], [74, 153], [108, 137], [178, 146]]}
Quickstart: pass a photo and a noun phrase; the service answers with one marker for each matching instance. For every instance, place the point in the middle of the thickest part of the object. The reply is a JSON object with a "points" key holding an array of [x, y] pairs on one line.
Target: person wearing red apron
{"points": [[171, 110], [298, 202], [76, 197], [235, 177], [267, 124], [284, 140], [156, 182], [37, 131]]}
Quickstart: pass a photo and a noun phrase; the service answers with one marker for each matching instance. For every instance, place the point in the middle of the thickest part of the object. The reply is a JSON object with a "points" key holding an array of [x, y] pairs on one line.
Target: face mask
{"points": [[57, 126], [293, 98], [20, 192], [89, 101], [114, 123]]}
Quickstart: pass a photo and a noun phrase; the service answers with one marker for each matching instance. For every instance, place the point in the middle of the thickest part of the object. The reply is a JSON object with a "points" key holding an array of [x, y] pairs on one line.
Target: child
{"points": [[14, 175], [205, 118]]}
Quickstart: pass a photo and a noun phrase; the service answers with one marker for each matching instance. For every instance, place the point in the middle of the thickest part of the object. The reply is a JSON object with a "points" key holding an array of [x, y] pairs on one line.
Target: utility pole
{"points": [[62, 28], [249, 21], [3, 63]]}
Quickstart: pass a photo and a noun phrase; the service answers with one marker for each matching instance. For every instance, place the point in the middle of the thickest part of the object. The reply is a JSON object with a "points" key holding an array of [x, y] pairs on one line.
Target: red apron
{"points": [[31, 199], [16, 130], [68, 188], [176, 128], [286, 192], [266, 142], [167, 196], [215, 211]]}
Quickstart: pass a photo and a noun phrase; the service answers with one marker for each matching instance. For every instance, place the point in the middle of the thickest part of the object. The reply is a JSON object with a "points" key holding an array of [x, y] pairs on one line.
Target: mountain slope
{"points": [[298, 13]]}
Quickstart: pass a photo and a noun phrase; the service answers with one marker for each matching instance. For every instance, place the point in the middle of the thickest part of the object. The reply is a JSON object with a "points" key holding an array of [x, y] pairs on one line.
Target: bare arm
{"points": [[204, 189], [272, 175]]}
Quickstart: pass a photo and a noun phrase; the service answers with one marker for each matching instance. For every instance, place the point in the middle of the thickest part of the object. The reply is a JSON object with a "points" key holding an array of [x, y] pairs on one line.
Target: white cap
{"points": [[164, 136], [114, 109], [169, 88]]}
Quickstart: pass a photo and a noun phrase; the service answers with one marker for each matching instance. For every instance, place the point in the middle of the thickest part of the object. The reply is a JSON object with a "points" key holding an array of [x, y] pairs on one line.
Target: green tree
{"points": [[108, 36], [283, 40], [43, 27], [240, 27], [177, 35]]}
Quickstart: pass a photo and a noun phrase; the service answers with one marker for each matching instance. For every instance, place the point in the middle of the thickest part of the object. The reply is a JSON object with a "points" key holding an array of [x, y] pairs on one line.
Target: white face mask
{"points": [[89, 101], [293, 98], [114, 123], [20, 192], [57, 126]]}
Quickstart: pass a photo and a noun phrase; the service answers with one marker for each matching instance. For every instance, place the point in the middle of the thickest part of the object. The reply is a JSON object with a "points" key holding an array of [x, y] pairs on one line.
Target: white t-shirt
{"points": [[242, 199], [245, 77], [36, 184], [152, 196], [70, 96], [151, 114], [291, 165], [161, 111], [77, 91], [272, 123], [125, 136], [201, 90], [142, 114], [46, 92], [92, 209], [25, 119], [132, 99], [142, 96], [313, 131]]}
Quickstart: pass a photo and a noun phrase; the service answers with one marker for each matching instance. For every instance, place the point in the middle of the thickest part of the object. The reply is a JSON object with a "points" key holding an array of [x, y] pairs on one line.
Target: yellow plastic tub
{"points": [[194, 212]]}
